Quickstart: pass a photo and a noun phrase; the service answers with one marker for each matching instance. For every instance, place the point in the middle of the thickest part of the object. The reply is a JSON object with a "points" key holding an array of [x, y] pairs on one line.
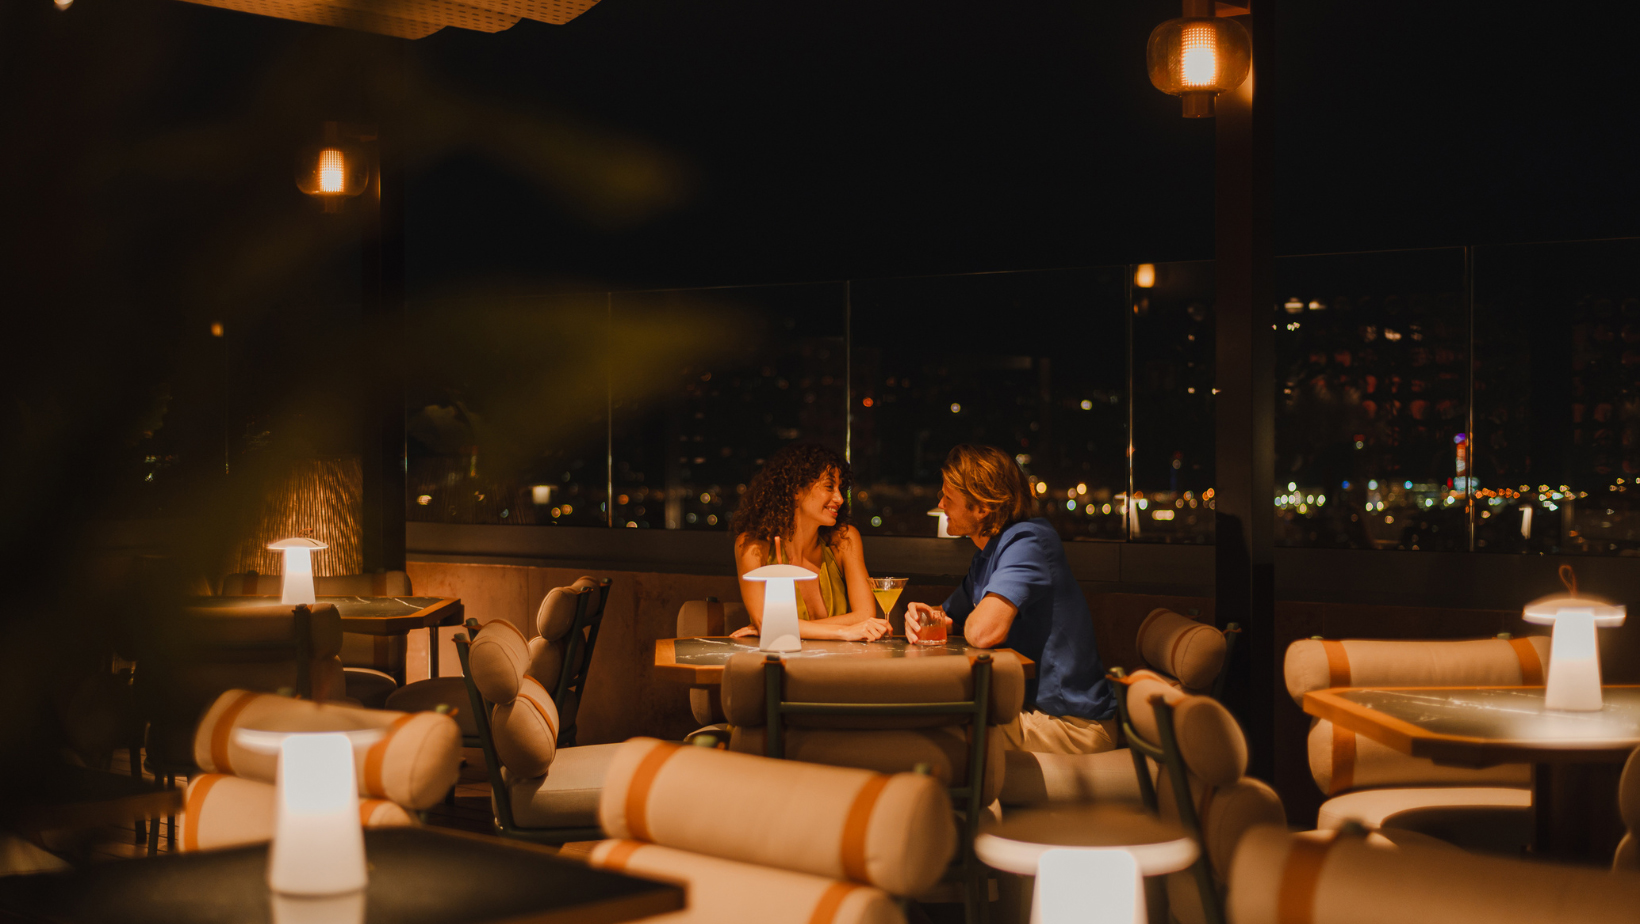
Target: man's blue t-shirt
{"points": [[1025, 565]]}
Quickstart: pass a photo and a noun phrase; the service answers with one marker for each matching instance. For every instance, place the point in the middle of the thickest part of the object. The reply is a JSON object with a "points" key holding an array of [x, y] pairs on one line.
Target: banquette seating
{"points": [[773, 841], [409, 768], [1370, 783]]}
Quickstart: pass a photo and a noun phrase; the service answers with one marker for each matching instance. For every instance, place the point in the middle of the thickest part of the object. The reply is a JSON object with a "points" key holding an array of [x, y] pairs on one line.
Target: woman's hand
{"points": [[744, 631], [919, 614], [868, 630]]}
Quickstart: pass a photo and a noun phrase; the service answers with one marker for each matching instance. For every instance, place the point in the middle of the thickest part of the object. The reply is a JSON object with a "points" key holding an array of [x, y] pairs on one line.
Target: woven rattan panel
{"points": [[323, 14], [556, 12]]}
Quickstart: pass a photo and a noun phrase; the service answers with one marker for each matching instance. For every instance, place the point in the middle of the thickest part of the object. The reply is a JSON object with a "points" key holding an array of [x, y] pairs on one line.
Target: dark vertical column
{"points": [[1245, 574], [382, 347]]}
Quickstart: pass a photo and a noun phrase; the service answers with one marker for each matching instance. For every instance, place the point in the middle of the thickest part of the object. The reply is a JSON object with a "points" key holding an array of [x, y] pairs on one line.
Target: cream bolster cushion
{"points": [[557, 611], [1210, 741], [414, 762], [696, 618], [1374, 808], [1226, 813], [526, 730], [1342, 760], [1316, 664], [546, 661], [1627, 857], [894, 832], [1034, 778], [1628, 792], [727, 892], [497, 659], [859, 680], [226, 811], [1173, 644], [1347, 881], [208, 627], [888, 750]]}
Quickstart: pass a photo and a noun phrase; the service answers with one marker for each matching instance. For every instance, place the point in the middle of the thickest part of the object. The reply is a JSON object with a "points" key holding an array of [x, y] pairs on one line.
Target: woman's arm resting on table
{"points": [[851, 626]]}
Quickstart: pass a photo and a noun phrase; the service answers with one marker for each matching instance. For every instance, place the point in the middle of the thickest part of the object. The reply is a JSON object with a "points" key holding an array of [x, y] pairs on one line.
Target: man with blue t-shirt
{"points": [[1020, 594]]}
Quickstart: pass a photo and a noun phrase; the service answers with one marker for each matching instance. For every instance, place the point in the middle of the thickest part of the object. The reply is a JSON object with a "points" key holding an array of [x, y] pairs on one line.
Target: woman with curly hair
{"points": [[794, 513]]}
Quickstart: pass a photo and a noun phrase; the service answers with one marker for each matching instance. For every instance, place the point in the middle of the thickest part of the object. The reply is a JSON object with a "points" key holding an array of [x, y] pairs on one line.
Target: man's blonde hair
{"points": [[989, 477]]}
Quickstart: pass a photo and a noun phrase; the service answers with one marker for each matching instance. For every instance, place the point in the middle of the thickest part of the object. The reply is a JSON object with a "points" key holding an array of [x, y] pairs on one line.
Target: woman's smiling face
{"points": [[821, 500]]}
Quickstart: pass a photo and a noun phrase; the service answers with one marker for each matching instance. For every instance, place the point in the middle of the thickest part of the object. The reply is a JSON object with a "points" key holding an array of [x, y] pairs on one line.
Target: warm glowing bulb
{"points": [[63, 4], [331, 177], [1198, 57], [1145, 276]]}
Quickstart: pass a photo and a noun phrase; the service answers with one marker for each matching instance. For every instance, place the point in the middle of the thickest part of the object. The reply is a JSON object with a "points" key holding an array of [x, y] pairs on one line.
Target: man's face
{"points": [[962, 517]]}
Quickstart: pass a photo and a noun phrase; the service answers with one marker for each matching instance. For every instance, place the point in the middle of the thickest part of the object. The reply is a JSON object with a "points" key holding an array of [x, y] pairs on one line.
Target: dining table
{"points": [[417, 876], [701, 661], [1575, 756], [381, 616]]}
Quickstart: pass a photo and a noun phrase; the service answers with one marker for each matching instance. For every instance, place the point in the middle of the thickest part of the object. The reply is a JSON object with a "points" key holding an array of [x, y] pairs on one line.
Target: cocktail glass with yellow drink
{"points": [[887, 591]]}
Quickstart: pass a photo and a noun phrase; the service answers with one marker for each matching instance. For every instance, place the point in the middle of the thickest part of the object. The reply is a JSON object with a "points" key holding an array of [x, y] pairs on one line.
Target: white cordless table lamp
{"points": [[1574, 648], [780, 632], [296, 585], [318, 841], [1089, 860]]}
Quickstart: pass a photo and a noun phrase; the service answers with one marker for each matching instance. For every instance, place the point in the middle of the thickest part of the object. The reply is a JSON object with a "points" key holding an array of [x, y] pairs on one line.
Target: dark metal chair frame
{"points": [[578, 657], [504, 823], [1166, 754], [965, 800]]}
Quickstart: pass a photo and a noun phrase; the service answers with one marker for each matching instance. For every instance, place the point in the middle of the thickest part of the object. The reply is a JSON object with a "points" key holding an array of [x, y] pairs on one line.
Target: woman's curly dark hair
{"points": [[770, 504]]}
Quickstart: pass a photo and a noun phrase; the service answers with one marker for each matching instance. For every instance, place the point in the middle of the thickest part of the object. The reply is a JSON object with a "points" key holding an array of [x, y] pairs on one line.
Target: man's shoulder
{"points": [[1036, 528]]}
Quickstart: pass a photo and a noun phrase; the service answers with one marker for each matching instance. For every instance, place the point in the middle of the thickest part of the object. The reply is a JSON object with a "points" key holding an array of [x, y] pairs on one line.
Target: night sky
{"points": [[663, 143]]}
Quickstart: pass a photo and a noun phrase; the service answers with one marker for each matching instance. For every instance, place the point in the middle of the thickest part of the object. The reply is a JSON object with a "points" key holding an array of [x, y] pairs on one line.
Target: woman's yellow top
{"points": [[833, 589]]}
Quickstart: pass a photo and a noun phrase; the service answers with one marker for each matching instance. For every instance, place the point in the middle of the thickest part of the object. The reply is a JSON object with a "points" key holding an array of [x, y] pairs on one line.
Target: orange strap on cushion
{"points": [[196, 801], [853, 848], [825, 910], [377, 755], [1295, 898], [643, 779], [1531, 666], [620, 855], [1338, 663], [367, 807], [1343, 759], [551, 726], [224, 729]]}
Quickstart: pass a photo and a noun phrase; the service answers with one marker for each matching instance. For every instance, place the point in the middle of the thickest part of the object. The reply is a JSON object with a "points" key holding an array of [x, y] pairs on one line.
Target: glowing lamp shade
{"points": [[318, 844], [1574, 649], [1197, 57], [332, 170], [296, 586], [780, 632], [1144, 275]]}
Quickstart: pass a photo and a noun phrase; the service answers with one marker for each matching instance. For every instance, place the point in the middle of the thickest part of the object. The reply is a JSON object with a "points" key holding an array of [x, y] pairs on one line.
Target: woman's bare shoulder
{"points": [[746, 546], [846, 539]]}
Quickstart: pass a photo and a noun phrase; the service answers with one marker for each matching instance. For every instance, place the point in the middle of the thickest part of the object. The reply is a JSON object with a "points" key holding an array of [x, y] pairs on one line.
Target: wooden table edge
{"points": [[1465, 750], [672, 895], [410, 622], [668, 668]]}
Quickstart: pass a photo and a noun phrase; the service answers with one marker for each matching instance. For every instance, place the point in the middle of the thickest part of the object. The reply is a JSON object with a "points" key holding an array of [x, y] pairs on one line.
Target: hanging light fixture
{"points": [[333, 169], [1198, 56]]}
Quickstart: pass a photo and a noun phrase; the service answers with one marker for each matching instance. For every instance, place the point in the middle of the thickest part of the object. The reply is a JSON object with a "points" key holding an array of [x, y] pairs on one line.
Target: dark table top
{"points": [[701, 660], [417, 876], [368, 615], [1479, 726]]}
